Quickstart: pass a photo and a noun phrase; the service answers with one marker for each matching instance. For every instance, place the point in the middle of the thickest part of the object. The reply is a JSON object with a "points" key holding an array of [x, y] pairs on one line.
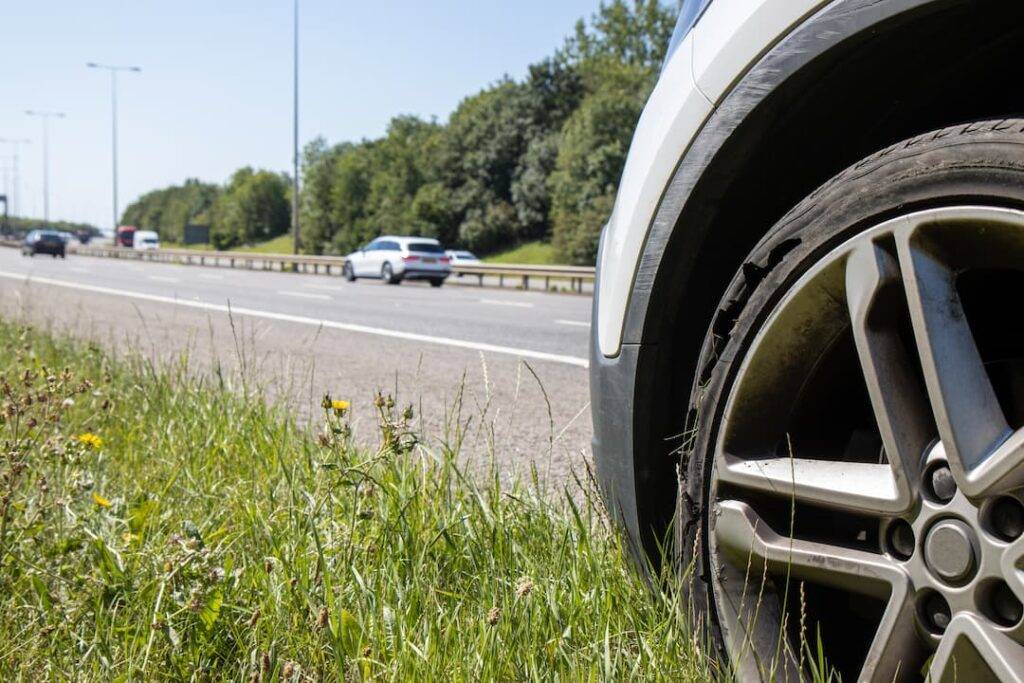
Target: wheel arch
{"points": [[898, 68]]}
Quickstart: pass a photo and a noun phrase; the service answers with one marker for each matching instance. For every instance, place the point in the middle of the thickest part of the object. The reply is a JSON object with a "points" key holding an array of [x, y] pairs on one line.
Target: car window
{"points": [[426, 248], [389, 246], [372, 246]]}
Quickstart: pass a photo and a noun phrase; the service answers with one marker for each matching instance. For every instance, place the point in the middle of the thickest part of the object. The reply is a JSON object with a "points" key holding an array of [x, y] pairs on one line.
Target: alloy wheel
{"points": [[869, 466]]}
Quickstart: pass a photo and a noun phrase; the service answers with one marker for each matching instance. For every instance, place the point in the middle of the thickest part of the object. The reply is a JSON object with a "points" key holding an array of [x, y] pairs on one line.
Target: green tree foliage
{"points": [[254, 207], [595, 142], [523, 160], [167, 211]]}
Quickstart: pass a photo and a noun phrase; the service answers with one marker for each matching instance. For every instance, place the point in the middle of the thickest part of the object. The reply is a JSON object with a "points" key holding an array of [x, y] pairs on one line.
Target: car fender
{"points": [[738, 52]]}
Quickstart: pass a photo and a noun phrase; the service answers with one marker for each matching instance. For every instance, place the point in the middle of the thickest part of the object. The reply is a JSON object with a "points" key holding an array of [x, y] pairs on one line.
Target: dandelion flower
{"points": [[340, 407], [91, 440], [100, 500]]}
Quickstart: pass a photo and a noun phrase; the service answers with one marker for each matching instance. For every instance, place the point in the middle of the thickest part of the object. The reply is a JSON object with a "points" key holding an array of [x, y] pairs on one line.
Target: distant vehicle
{"points": [[145, 240], [462, 258], [394, 259], [44, 242], [125, 236]]}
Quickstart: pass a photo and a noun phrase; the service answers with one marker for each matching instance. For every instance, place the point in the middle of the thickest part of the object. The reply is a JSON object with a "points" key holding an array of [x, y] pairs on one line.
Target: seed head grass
{"points": [[155, 525]]}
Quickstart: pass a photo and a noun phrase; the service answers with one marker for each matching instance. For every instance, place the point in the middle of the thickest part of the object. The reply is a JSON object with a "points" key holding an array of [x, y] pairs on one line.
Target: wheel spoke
{"points": [[970, 421], [744, 535], [896, 650], [899, 402], [863, 488], [1012, 565], [970, 650]]}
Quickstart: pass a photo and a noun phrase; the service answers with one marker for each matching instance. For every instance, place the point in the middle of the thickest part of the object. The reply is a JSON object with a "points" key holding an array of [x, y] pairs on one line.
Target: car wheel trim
{"points": [[946, 596]]}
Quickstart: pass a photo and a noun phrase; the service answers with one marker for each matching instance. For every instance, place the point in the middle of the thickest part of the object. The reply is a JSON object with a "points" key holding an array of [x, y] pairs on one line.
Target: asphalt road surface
{"points": [[503, 370]]}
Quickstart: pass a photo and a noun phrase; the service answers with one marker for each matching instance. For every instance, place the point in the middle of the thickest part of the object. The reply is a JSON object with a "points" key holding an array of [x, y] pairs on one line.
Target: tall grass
{"points": [[158, 525]]}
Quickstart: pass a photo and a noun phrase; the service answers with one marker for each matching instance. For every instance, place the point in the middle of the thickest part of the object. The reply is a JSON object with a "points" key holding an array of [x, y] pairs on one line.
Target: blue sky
{"points": [[215, 91]]}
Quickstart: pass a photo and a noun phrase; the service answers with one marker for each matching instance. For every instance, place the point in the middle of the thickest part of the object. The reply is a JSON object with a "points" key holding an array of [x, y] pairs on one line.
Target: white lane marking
{"points": [[305, 295], [302, 320], [161, 278], [574, 323], [495, 302]]}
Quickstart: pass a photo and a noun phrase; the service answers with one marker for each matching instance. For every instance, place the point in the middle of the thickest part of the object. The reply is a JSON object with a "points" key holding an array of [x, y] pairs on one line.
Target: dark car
{"points": [[44, 242]]}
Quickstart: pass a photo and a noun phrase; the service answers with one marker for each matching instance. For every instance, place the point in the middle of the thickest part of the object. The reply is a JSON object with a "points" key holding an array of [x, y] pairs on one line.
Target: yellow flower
{"points": [[340, 407], [100, 500], [91, 440]]}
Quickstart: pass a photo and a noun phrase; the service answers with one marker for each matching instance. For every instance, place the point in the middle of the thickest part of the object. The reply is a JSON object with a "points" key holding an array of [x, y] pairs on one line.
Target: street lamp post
{"points": [[295, 135], [15, 185], [46, 116], [113, 125]]}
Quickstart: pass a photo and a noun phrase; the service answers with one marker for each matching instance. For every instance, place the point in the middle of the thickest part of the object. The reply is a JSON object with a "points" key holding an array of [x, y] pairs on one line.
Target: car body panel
{"points": [[625, 449], [732, 34], [730, 37], [672, 116]]}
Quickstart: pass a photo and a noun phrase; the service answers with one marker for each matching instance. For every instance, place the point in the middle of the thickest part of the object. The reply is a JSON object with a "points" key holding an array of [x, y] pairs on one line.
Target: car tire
{"points": [[388, 275], [437, 282], [973, 169], [348, 272]]}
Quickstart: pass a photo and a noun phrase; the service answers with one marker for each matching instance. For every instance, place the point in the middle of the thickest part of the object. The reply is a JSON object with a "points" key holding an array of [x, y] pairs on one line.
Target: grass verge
{"points": [[531, 253], [158, 525], [281, 244]]}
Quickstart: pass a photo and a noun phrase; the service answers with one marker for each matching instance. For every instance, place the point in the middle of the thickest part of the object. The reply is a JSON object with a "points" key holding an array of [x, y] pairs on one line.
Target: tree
{"points": [[169, 210], [636, 34], [536, 159], [254, 207], [594, 146]]}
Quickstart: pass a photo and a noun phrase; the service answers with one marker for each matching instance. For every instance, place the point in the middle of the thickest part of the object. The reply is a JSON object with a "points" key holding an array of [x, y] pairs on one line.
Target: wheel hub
{"points": [[949, 551]]}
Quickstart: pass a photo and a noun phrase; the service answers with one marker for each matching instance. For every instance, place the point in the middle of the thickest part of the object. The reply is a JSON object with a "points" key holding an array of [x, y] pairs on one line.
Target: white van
{"points": [[145, 239]]}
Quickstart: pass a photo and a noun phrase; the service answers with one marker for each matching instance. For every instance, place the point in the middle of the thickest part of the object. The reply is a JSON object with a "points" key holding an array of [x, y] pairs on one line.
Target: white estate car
{"points": [[810, 305], [394, 259], [460, 257]]}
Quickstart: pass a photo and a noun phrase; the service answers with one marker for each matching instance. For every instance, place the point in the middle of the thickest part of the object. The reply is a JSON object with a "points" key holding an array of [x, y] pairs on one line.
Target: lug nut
{"points": [[943, 484], [1008, 518], [901, 540], [1007, 608], [937, 611]]}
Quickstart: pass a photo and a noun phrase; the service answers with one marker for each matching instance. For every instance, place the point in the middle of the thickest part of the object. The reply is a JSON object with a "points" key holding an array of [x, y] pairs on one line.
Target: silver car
{"points": [[394, 259]]}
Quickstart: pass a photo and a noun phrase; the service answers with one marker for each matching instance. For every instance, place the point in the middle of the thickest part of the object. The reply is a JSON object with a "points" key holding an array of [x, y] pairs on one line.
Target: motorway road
{"points": [[508, 366]]}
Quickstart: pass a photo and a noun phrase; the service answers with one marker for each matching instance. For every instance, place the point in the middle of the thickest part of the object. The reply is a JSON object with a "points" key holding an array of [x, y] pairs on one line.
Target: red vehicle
{"points": [[125, 236]]}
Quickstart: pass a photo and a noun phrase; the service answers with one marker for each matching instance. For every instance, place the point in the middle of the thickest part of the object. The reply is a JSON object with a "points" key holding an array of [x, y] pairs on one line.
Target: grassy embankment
{"points": [[531, 253], [279, 245], [158, 525]]}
